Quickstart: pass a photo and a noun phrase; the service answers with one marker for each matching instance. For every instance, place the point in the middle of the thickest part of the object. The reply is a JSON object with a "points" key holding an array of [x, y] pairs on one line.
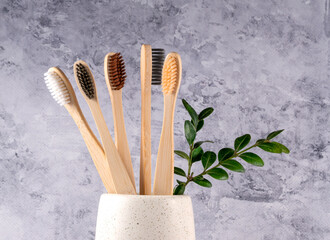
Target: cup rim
{"points": [[138, 196]]}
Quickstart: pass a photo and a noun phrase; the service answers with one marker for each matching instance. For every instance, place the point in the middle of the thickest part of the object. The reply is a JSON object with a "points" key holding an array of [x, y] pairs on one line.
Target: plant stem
{"points": [[190, 178], [190, 159]]}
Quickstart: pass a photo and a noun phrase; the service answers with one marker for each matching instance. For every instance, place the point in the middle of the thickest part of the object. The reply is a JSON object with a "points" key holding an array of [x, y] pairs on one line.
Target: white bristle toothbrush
{"points": [[63, 93], [115, 76], [171, 79], [86, 84]]}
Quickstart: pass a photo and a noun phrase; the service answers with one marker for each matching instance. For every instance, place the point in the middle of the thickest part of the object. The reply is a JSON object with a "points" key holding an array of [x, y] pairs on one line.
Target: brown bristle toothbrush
{"points": [[151, 73], [115, 75], [86, 84], [63, 93], [171, 79]]}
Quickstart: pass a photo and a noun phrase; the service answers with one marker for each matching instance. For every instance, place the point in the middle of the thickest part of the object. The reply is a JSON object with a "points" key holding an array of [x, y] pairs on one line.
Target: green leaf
{"points": [[189, 131], [179, 182], [252, 158], [260, 140], [283, 148], [179, 189], [191, 112], [197, 154], [225, 153], [242, 141], [179, 171], [202, 182], [270, 147], [205, 113], [218, 173], [197, 144], [208, 159], [274, 134], [233, 165], [182, 154], [199, 125]]}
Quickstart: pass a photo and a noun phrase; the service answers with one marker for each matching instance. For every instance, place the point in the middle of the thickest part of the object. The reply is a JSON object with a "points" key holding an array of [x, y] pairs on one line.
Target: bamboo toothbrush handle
{"points": [[145, 151], [94, 147], [163, 183], [120, 132], [118, 171]]}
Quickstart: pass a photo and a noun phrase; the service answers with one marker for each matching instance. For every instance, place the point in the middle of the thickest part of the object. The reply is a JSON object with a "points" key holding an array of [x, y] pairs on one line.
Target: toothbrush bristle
{"points": [[57, 88], [158, 56], [170, 75], [85, 80], [116, 71]]}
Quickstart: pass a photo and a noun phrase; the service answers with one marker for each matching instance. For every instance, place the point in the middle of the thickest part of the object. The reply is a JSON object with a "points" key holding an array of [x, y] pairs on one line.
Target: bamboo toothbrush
{"points": [[86, 84], [151, 73], [62, 91], [115, 75], [171, 79]]}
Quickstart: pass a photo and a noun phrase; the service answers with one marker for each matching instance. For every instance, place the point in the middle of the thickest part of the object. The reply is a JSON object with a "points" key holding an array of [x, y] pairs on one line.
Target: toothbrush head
{"points": [[171, 73], [55, 82], [85, 79], [115, 70], [158, 55]]}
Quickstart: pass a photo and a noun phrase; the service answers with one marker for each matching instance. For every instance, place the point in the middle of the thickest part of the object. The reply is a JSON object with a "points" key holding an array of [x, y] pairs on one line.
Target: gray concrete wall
{"points": [[261, 64]]}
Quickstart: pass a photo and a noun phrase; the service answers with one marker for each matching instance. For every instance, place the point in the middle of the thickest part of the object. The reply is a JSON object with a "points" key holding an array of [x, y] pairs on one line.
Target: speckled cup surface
{"points": [[129, 217]]}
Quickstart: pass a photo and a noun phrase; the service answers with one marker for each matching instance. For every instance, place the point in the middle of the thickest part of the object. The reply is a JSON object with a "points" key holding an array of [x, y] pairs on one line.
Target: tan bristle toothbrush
{"points": [[151, 73], [171, 79], [86, 84], [115, 76], [63, 93]]}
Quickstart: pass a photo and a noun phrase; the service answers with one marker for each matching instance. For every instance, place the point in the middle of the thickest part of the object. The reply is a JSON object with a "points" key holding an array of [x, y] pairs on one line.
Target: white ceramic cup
{"points": [[129, 217]]}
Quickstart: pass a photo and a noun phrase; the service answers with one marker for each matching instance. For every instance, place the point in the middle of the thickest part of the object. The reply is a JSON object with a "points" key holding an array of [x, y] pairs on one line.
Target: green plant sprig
{"points": [[225, 155]]}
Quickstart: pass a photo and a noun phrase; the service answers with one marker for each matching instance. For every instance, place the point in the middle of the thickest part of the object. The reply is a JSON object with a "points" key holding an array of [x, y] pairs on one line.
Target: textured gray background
{"points": [[261, 64]]}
